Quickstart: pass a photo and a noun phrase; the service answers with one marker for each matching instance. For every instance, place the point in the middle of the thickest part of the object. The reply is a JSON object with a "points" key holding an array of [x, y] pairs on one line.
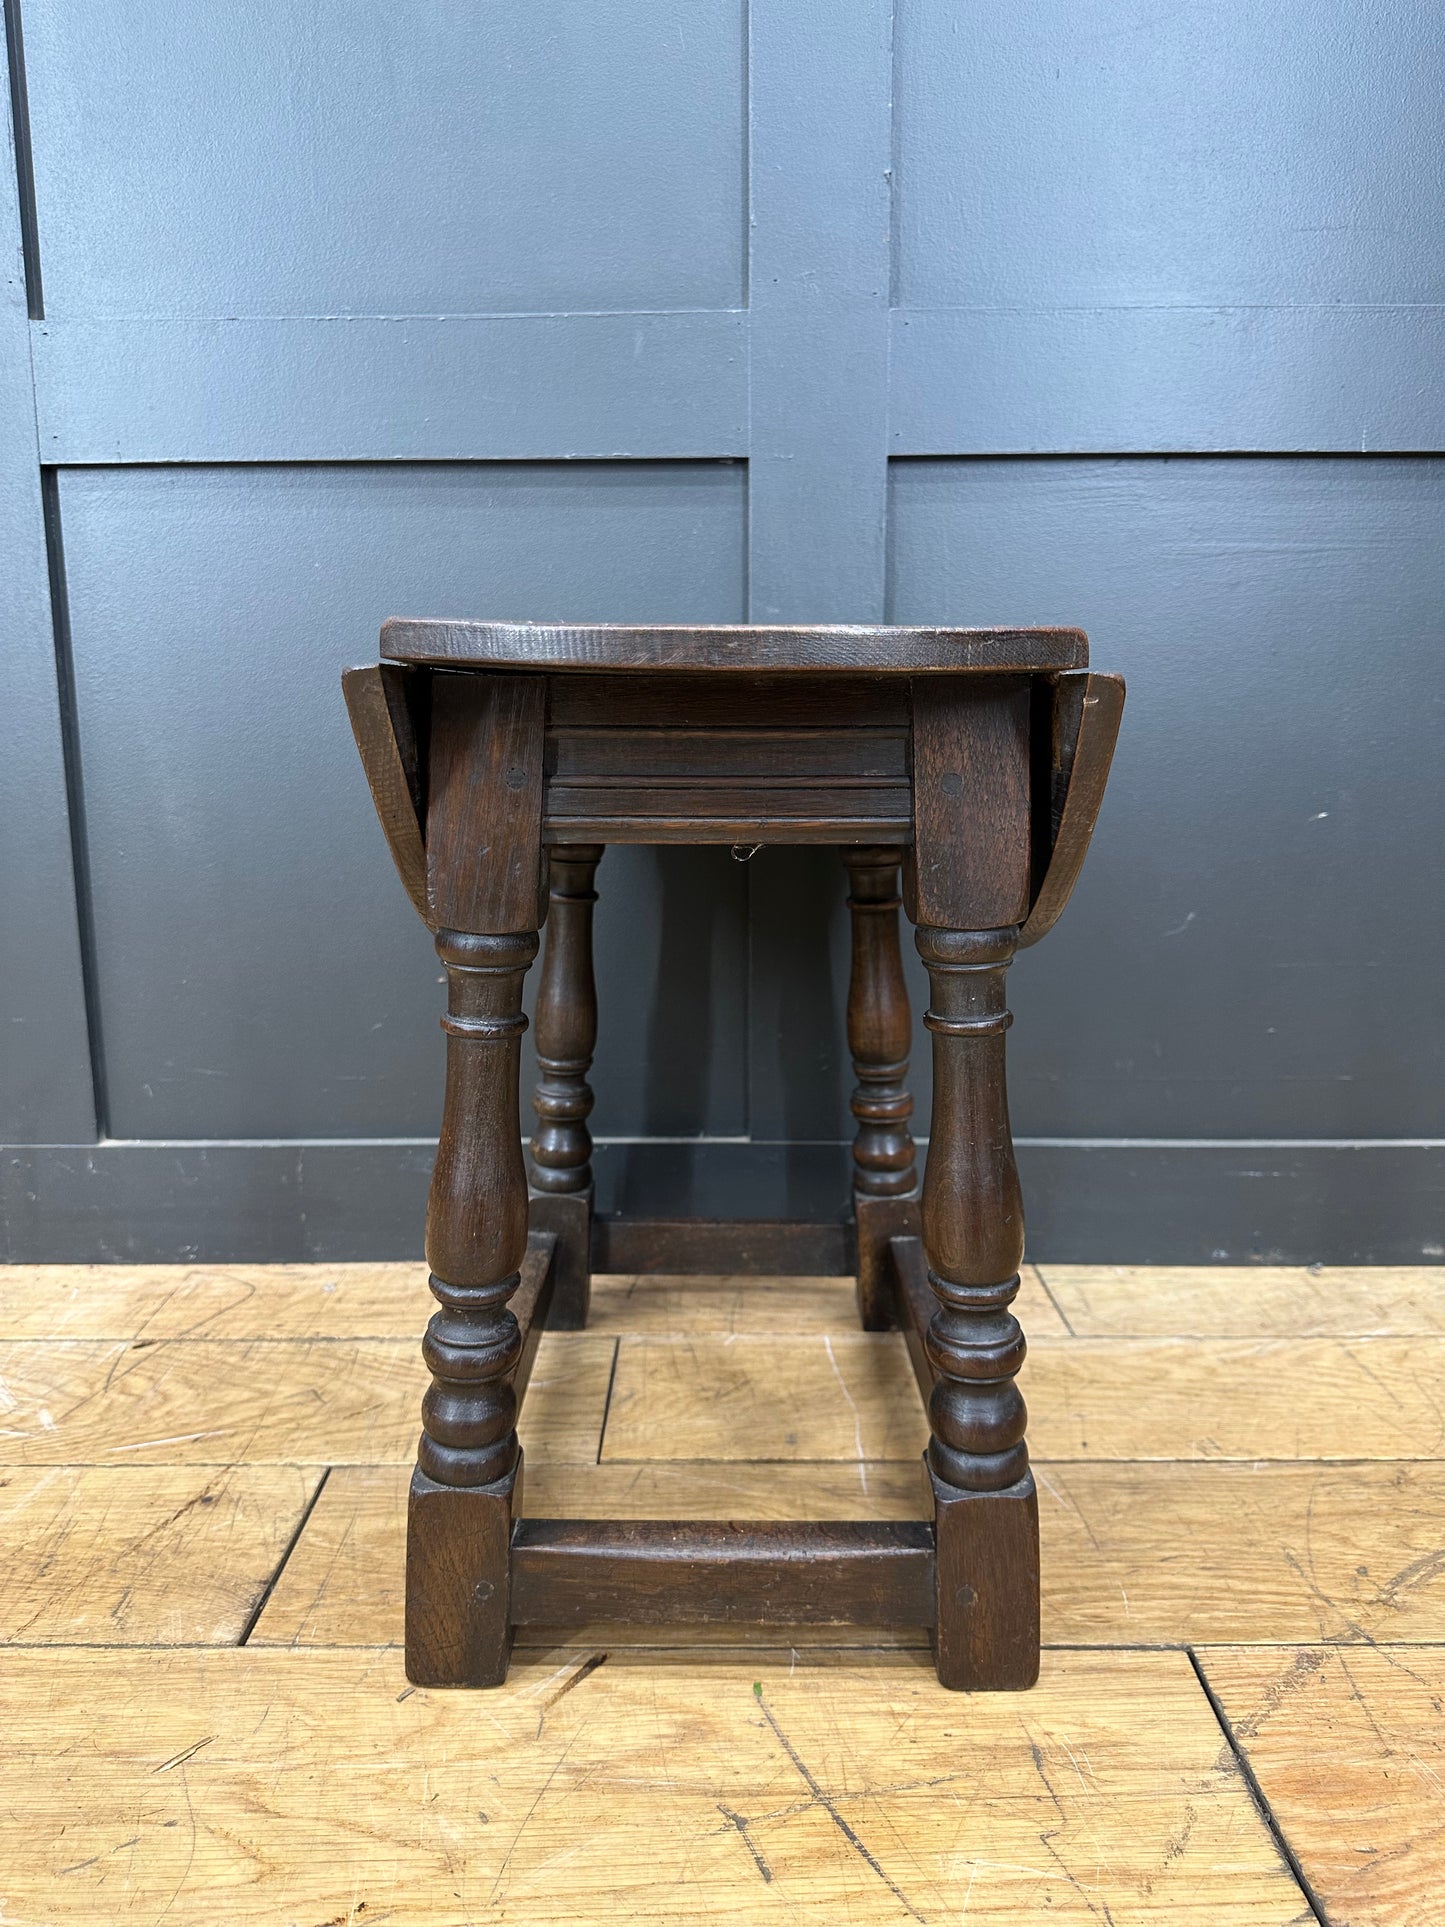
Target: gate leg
{"points": [[880, 1033], [566, 1038]]}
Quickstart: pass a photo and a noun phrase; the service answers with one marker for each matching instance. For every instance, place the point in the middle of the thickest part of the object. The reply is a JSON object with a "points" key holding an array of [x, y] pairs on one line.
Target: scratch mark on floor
{"points": [[1047, 1835], [542, 1793], [853, 1408], [1429, 1566], [826, 1803], [737, 1820], [1374, 1377]]}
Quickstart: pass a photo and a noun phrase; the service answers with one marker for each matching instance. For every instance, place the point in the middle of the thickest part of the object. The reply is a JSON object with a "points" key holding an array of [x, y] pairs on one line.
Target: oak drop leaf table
{"points": [[502, 758]]}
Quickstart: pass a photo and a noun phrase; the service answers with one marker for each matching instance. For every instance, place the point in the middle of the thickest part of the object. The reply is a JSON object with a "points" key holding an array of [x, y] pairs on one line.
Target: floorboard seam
{"points": [[1038, 1272], [291, 1544], [1256, 1793]]}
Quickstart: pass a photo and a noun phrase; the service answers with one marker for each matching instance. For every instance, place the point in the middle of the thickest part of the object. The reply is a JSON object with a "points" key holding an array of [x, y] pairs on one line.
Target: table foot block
{"points": [[987, 1631], [458, 1607], [566, 1217], [879, 1221]]}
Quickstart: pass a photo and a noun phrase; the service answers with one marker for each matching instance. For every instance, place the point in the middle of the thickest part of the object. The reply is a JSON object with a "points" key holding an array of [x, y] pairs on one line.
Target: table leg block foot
{"points": [[878, 1220], [568, 1216], [458, 1581], [987, 1550]]}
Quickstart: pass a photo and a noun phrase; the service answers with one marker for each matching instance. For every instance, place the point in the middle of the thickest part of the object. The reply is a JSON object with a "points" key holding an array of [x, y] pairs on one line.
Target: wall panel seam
{"points": [[24, 158], [66, 694]]}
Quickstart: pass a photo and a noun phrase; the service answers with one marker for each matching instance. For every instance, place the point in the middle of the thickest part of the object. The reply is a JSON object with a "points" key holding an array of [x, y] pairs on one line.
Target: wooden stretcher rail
{"points": [[574, 1572], [531, 1302], [736, 1247], [915, 1305]]}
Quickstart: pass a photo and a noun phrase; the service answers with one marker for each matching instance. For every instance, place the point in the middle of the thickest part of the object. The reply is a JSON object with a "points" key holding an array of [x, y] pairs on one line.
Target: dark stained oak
{"points": [[987, 1577], [566, 1034], [697, 757], [459, 1580], [986, 1619], [483, 837], [573, 1572], [476, 1233], [1087, 711], [880, 1030], [914, 1306], [787, 651], [728, 784], [973, 1226], [484, 803], [467, 1461], [532, 1305], [742, 700], [382, 726], [736, 1247], [502, 758], [970, 864], [736, 816], [973, 1240]]}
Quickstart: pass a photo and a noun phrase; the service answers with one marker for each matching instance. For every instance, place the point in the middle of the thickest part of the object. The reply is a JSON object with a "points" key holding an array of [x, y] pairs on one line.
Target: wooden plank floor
{"points": [[202, 1483]]}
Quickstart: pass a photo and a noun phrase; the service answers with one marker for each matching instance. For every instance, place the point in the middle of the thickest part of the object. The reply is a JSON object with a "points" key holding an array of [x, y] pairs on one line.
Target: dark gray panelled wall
{"points": [[596, 309]]}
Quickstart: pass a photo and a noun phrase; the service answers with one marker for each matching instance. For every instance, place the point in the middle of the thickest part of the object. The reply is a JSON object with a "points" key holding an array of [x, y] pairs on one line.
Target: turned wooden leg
{"points": [[985, 1506], [885, 1177], [468, 1478], [566, 1039]]}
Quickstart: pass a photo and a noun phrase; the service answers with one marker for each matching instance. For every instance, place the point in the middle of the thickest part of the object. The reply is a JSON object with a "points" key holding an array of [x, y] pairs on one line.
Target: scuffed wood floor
{"points": [[204, 1719]]}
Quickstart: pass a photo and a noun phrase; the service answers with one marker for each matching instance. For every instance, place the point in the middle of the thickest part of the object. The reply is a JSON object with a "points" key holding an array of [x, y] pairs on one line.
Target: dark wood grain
{"points": [[574, 1572], [973, 1225], [978, 760], [728, 756], [970, 864], [381, 724], [914, 1305], [754, 814], [726, 783], [740, 701], [566, 1031], [1087, 712], [787, 651], [987, 1549], [476, 1229], [459, 1580], [484, 806], [973, 1234], [880, 1031], [566, 1025], [987, 1633], [532, 1303], [731, 1247], [829, 819], [476, 1240]]}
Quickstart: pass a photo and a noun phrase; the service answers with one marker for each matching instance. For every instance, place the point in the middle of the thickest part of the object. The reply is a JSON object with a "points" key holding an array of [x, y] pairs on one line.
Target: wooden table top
{"points": [[869, 650]]}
